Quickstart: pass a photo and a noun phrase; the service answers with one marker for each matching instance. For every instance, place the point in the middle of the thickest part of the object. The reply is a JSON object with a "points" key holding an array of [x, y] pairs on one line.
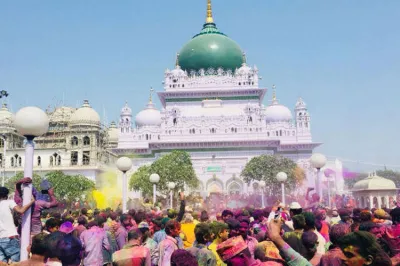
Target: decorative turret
{"points": [[302, 116], [303, 120], [125, 122]]}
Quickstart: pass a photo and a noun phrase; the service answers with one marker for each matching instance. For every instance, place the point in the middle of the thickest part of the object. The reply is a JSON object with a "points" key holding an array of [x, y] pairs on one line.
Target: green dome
{"points": [[210, 49]]}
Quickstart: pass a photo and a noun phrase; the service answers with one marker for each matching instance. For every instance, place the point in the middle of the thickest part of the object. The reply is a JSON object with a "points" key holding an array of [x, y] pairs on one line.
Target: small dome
{"points": [[6, 117], [374, 182], [113, 133], [126, 110], [61, 114], [277, 112], [85, 115], [149, 116]]}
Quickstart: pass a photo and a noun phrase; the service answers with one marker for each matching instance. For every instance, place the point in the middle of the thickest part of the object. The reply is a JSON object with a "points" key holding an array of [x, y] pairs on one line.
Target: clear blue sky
{"points": [[342, 57]]}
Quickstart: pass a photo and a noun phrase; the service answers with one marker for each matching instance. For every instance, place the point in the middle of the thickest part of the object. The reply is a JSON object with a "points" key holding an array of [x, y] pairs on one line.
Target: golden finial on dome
{"points": [[177, 60], [209, 18], [151, 95], [273, 92]]}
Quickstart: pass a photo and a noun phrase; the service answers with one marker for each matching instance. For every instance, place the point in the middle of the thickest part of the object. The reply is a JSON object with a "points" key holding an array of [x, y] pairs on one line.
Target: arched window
{"points": [[127, 120], [175, 121], [147, 137], [306, 124], [86, 140], [51, 161], [1, 143], [19, 161], [74, 141], [280, 133], [39, 161], [12, 161], [194, 131], [59, 160], [268, 134]]}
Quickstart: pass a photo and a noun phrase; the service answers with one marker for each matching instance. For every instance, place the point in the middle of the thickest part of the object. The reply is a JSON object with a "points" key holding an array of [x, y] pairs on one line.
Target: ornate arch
{"points": [[234, 184], [215, 184]]}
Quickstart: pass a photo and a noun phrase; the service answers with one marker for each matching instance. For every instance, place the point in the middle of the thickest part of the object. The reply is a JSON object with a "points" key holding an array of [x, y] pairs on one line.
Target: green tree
{"points": [[265, 167], [175, 166], [10, 182], [390, 174], [69, 187], [140, 180]]}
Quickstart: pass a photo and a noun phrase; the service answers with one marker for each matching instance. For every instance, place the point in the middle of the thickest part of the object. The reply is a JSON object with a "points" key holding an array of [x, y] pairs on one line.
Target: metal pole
{"points": [[319, 187], [283, 193], [329, 192], [27, 196], [124, 193], [170, 198], [154, 194], [262, 199], [4, 162]]}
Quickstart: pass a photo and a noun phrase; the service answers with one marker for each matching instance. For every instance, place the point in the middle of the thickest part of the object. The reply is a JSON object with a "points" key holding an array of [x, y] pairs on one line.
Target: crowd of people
{"points": [[278, 235]]}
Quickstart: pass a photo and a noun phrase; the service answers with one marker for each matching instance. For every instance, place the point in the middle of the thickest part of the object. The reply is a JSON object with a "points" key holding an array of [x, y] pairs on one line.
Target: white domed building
{"points": [[212, 107], [76, 143], [375, 192]]}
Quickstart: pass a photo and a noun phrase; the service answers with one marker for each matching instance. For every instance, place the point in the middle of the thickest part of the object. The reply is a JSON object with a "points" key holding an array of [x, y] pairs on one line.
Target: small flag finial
{"points": [[209, 18], [151, 95], [273, 92]]}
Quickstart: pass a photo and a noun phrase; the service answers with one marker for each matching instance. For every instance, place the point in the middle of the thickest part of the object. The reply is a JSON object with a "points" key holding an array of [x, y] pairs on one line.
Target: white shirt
{"points": [[321, 243], [7, 227]]}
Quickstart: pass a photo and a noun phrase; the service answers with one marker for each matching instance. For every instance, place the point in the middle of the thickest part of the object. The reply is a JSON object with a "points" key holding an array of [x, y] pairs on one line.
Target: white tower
{"points": [[303, 122], [125, 122]]}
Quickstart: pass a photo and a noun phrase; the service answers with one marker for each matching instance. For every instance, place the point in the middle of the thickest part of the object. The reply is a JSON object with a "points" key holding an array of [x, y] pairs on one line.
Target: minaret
{"points": [[209, 18], [125, 122], [303, 121]]}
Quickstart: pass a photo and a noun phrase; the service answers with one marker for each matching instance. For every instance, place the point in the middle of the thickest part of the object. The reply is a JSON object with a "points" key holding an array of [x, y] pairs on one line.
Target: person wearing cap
{"points": [[67, 227], [148, 242], [294, 209], [335, 218], [44, 200], [9, 239]]}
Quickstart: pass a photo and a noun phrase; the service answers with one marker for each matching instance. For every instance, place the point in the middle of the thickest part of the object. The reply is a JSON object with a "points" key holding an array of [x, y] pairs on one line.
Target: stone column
{"points": [[379, 202], [371, 202], [387, 201]]}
